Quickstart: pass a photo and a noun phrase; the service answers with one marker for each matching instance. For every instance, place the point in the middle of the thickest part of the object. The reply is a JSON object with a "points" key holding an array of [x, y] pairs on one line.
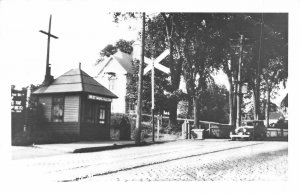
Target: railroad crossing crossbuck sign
{"points": [[154, 63]]}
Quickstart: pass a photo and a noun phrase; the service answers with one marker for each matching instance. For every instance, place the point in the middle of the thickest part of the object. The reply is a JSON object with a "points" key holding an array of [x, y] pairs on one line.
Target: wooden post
{"points": [[139, 103], [239, 94], [158, 129], [189, 129], [152, 93], [182, 130], [186, 129]]}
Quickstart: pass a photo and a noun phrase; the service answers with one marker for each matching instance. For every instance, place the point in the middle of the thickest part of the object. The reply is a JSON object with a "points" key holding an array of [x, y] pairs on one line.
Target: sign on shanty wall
{"points": [[18, 100], [18, 108], [93, 97]]}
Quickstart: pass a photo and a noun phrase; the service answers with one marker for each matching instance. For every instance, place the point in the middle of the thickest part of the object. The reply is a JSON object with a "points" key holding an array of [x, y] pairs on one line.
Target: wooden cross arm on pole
{"points": [[53, 36]]}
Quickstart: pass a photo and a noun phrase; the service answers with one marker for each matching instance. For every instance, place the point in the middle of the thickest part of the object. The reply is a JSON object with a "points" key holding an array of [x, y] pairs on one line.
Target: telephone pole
{"points": [[239, 90], [140, 86]]}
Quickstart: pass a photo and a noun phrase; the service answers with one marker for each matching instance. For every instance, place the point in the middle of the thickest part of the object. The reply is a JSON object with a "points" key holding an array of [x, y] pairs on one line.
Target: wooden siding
{"points": [[64, 128], [46, 101], [71, 109]]}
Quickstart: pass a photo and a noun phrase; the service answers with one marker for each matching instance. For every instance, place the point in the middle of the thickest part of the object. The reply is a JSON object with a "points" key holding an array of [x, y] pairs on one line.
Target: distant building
{"points": [[112, 73]]}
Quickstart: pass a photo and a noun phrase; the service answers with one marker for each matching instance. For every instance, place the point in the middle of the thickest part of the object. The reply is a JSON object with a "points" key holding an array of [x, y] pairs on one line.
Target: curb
{"points": [[117, 146], [101, 148]]}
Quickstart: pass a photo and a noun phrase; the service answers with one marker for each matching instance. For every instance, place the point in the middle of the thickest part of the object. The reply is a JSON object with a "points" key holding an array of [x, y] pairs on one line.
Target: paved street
{"points": [[207, 160]]}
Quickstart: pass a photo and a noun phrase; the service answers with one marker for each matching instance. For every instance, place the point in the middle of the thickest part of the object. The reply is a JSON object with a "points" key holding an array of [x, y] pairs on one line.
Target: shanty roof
{"points": [[125, 60], [75, 80]]}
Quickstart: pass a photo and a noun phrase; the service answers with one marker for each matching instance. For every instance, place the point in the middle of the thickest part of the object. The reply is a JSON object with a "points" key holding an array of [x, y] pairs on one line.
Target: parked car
{"points": [[252, 130]]}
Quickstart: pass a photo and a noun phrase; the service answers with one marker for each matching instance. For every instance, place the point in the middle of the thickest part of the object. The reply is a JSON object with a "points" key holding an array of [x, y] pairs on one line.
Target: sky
{"points": [[83, 28], [81, 35]]}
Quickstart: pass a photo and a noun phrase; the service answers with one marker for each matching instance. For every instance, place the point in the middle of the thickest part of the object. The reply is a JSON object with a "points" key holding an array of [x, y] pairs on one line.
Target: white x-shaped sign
{"points": [[155, 63]]}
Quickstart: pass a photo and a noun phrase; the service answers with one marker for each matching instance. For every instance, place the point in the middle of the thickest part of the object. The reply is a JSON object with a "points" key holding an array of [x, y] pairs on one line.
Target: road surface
{"points": [[207, 160]]}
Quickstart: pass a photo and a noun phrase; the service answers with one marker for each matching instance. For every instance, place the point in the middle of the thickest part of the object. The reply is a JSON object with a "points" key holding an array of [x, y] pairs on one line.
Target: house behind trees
{"points": [[112, 73]]}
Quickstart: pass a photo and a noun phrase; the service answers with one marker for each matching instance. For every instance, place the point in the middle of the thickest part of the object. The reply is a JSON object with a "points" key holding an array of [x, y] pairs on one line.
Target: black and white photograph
{"points": [[148, 91]]}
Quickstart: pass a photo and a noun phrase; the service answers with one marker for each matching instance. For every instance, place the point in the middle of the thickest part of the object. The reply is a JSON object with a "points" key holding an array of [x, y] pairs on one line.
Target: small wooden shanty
{"points": [[75, 104]]}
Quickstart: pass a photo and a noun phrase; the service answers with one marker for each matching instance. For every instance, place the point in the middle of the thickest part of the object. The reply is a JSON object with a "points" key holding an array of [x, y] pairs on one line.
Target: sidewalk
{"points": [[44, 150], [85, 146]]}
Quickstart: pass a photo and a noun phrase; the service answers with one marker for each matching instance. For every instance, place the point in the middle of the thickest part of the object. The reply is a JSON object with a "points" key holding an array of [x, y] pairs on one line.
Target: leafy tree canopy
{"points": [[122, 45]]}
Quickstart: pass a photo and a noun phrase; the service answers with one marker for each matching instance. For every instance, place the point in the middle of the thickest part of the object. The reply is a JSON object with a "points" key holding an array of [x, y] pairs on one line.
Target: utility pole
{"points": [[239, 90], [140, 84], [152, 92], [48, 77], [257, 82]]}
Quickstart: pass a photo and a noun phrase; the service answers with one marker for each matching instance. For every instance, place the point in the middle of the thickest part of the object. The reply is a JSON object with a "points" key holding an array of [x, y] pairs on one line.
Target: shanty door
{"points": [[103, 119], [95, 120]]}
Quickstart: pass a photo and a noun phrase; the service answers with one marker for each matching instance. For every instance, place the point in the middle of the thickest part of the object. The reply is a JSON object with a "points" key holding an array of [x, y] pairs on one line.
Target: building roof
{"points": [[125, 60], [75, 80]]}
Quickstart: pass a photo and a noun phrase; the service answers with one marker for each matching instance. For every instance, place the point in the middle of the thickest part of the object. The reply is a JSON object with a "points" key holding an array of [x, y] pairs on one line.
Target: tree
{"points": [[201, 42], [263, 32], [169, 22], [122, 45], [272, 76], [267, 61], [270, 39], [215, 104], [227, 25], [199, 57], [155, 44]]}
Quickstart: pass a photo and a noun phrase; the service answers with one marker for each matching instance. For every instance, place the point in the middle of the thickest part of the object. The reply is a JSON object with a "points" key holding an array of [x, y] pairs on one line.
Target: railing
{"points": [[277, 132], [211, 129], [218, 130]]}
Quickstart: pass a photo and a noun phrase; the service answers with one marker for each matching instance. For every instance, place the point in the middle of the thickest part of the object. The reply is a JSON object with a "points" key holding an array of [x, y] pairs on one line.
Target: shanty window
{"points": [[58, 109], [102, 114]]}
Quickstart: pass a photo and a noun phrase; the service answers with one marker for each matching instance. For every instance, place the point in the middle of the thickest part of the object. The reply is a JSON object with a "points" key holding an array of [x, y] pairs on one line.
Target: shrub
{"points": [[122, 126]]}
